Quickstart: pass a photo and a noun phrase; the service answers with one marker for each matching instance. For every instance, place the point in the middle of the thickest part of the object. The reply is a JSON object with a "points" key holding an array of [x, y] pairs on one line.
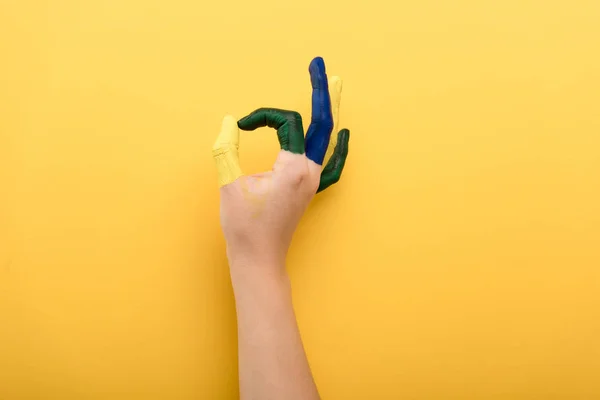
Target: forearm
{"points": [[272, 361]]}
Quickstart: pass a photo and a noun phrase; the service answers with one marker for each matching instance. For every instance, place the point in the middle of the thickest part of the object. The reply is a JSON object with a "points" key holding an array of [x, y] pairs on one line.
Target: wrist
{"points": [[263, 273], [255, 252]]}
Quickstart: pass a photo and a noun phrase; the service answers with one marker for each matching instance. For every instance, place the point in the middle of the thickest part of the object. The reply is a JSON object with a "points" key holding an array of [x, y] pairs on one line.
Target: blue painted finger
{"points": [[321, 124]]}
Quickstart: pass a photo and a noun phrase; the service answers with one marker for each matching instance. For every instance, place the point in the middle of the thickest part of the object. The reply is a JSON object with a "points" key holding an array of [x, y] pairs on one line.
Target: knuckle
{"points": [[294, 117], [299, 177]]}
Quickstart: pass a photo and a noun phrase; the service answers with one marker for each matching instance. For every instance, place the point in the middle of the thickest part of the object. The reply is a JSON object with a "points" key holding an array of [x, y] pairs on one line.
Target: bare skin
{"points": [[258, 231]]}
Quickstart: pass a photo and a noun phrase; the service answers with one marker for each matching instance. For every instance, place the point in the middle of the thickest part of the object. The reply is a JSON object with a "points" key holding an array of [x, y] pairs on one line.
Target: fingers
{"points": [[333, 170], [335, 91], [319, 131], [225, 152], [288, 124]]}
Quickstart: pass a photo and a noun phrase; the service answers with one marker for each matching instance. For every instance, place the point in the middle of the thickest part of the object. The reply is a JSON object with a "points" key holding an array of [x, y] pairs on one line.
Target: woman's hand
{"points": [[259, 213]]}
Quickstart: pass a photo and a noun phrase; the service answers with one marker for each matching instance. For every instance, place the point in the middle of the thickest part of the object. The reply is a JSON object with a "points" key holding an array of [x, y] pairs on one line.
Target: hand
{"points": [[259, 213]]}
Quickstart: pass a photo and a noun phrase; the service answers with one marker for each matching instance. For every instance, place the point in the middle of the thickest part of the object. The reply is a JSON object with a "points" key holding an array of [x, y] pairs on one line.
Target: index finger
{"points": [[321, 125], [288, 124]]}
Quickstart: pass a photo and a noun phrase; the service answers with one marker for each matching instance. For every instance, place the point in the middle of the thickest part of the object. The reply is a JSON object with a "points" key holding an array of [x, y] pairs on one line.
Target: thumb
{"points": [[225, 152]]}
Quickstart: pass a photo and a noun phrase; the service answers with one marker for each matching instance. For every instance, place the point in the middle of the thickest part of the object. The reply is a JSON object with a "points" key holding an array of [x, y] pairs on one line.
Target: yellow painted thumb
{"points": [[225, 152]]}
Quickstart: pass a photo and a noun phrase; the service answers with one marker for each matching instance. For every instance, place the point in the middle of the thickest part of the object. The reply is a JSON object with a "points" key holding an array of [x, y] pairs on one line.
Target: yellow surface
{"points": [[458, 257]]}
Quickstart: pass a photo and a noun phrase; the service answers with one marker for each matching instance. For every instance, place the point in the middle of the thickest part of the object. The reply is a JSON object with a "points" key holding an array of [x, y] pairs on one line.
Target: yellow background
{"points": [[458, 258]]}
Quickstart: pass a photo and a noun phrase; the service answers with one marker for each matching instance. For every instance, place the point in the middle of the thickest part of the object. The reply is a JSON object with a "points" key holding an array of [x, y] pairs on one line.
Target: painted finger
{"points": [[321, 124], [288, 124], [333, 170], [335, 92], [225, 152]]}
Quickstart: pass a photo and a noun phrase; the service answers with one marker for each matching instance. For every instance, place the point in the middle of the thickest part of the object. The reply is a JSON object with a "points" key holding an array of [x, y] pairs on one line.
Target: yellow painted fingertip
{"points": [[225, 152], [335, 93]]}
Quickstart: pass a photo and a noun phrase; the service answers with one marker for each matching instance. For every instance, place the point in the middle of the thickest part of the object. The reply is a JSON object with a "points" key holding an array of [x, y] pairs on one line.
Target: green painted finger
{"points": [[288, 124], [333, 170]]}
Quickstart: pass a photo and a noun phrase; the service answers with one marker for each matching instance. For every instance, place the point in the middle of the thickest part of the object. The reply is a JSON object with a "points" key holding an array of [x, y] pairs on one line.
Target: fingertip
{"points": [[229, 124], [247, 123], [318, 75], [317, 63], [229, 129], [242, 122], [225, 151], [228, 135]]}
